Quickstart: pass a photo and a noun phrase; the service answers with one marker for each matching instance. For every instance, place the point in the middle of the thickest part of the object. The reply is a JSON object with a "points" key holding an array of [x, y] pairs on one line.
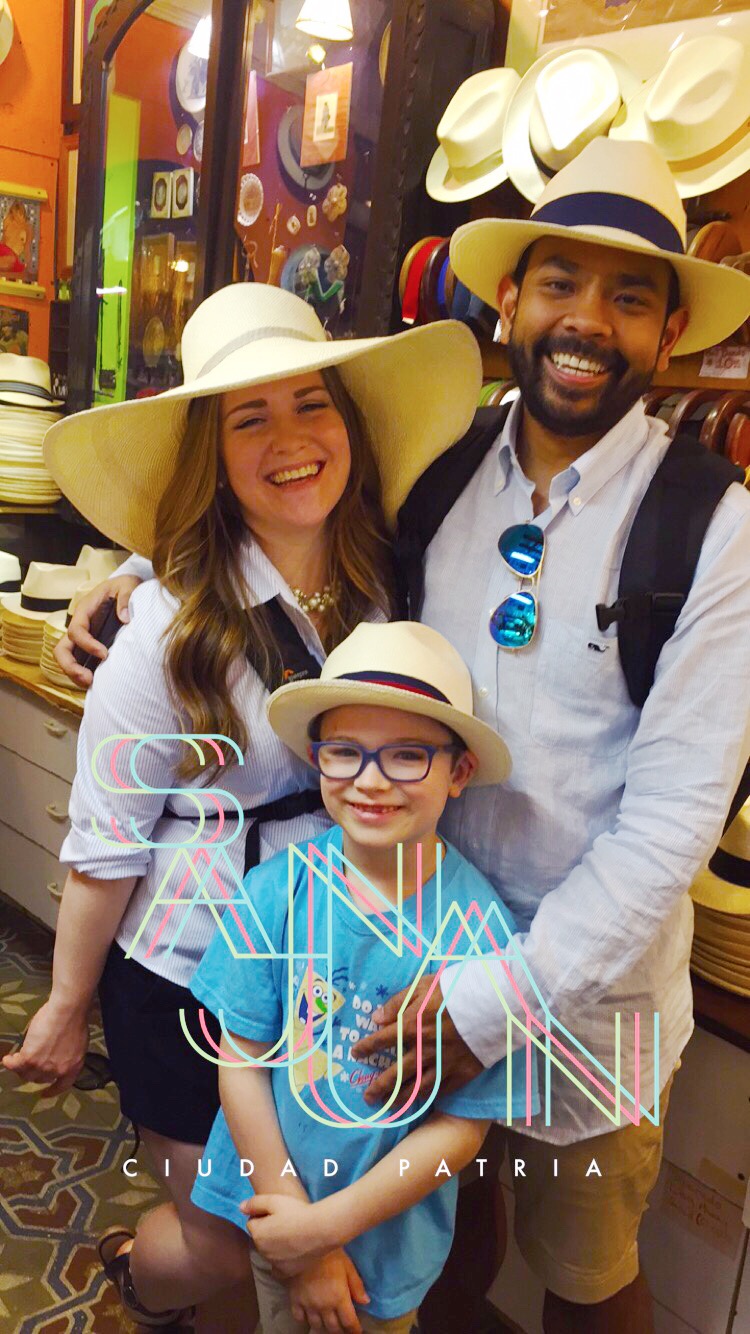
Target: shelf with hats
{"points": [[30, 678]]}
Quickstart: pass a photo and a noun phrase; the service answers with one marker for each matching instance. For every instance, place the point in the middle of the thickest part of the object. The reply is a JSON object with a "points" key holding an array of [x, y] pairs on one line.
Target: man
{"points": [[609, 811]]}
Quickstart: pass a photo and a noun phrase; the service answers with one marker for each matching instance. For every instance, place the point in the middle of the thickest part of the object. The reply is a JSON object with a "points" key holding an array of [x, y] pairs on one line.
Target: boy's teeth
{"points": [[295, 474], [581, 365]]}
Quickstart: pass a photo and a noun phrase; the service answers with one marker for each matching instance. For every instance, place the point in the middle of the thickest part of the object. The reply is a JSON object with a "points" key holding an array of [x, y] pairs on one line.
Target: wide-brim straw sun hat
{"points": [[617, 194], [401, 665], [417, 392], [563, 102], [696, 111]]}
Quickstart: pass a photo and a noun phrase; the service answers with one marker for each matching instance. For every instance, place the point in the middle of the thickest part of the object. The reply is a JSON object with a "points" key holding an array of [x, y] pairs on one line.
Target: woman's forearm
{"points": [[389, 1188], [247, 1100], [90, 913]]}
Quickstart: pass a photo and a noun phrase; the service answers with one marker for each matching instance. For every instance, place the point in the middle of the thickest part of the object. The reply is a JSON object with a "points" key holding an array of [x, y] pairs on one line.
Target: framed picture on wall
{"points": [[161, 194], [183, 192], [80, 18]]}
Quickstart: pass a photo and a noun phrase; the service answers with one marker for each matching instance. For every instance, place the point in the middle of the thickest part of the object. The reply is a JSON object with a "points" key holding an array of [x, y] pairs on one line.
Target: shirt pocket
{"points": [[581, 701]]}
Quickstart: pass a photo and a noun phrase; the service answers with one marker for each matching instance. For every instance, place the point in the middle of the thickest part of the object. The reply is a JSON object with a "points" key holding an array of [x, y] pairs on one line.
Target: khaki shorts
{"points": [[276, 1313], [578, 1233]]}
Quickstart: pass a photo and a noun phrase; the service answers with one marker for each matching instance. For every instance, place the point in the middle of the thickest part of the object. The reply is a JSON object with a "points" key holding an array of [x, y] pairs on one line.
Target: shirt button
{"points": [[577, 501], [483, 692]]}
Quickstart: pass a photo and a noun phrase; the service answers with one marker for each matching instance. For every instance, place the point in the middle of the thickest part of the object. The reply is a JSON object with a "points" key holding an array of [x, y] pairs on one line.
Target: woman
{"points": [[257, 492]]}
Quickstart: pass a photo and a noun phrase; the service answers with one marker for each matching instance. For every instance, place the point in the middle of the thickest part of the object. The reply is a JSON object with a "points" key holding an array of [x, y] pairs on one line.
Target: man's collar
{"points": [[589, 473]]}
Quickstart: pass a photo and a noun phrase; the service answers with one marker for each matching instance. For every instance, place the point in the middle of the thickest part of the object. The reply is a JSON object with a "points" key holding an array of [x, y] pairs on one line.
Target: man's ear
{"points": [[674, 328], [507, 300], [464, 769]]}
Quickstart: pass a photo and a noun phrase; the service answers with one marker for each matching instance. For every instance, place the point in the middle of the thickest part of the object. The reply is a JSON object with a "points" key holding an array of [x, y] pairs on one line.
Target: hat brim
{"points": [[16, 614], [706, 173], [710, 891], [523, 168], [292, 708], [29, 401], [717, 297], [417, 392], [444, 186]]}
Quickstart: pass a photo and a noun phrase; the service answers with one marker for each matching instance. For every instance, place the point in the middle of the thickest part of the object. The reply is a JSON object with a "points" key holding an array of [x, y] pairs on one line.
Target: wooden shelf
{"points": [[7, 508], [29, 677], [722, 1013]]}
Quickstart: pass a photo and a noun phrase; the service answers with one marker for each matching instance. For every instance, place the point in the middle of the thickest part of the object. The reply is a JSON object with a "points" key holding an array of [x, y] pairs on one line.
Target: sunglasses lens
{"points": [[522, 548], [514, 622]]}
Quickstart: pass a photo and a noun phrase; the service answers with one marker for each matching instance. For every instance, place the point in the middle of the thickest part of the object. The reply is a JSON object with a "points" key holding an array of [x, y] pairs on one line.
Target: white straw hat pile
{"points": [[27, 411], [47, 591], [721, 899], [54, 629]]}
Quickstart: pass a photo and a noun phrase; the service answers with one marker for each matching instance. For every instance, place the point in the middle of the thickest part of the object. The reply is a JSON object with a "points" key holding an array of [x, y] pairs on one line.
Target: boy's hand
{"points": [[458, 1062], [323, 1295], [289, 1232]]}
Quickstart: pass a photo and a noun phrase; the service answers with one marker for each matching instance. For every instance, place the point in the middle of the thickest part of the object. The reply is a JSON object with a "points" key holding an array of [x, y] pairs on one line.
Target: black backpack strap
{"points": [[430, 500], [661, 555], [292, 661]]}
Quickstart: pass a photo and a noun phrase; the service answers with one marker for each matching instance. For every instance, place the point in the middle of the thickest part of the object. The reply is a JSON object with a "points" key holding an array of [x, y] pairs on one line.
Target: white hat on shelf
{"points": [[564, 101], [696, 111], [27, 411], [10, 573], [469, 160]]}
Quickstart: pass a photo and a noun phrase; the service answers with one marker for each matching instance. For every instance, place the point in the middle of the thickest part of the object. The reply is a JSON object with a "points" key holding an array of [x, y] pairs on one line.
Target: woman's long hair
{"points": [[198, 558]]}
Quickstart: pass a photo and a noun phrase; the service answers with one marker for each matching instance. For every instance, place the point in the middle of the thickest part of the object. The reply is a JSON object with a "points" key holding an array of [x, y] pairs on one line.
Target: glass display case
{"points": [[277, 141]]}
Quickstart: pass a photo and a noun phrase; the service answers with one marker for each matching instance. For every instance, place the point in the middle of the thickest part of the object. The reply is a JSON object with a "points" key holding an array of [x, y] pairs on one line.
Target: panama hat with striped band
{"points": [[620, 194], [417, 392], [401, 665]]}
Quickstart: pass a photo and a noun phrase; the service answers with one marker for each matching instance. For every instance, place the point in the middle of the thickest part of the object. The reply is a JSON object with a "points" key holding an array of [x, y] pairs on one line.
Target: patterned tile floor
{"points": [[61, 1183]]}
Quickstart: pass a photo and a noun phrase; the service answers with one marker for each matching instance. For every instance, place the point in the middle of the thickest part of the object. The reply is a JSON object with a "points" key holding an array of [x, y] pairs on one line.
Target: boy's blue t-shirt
{"points": [[356, 965]]}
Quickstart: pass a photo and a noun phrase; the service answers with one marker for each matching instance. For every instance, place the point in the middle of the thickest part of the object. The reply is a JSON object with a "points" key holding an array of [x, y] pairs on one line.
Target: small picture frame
{"points": [[183, 192], [161, 194]]}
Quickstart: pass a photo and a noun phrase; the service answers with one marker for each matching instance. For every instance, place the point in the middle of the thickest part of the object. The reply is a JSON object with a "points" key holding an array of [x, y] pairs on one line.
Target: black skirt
{"points": [[164, 1084]]}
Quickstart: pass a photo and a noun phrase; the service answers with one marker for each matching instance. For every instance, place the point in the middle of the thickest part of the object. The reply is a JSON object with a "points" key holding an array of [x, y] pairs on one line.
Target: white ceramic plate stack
{"points": [[721, 945]]}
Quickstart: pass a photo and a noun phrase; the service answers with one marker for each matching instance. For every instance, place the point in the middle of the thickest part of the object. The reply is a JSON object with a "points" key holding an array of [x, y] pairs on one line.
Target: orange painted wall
{"points": [[30, 134]]}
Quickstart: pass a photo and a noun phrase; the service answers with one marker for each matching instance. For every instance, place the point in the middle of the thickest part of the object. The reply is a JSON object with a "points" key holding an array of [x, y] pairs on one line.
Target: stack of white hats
{"points": [[721, 899], [54, 629], [46, 591], [27, 411], [10, 573]]}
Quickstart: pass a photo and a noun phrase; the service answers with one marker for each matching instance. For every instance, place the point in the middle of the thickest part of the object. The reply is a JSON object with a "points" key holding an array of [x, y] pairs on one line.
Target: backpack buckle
{"points": [[638, 606]]}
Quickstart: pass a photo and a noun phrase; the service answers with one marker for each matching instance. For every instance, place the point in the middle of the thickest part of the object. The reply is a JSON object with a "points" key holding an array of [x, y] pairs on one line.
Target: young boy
{"points": [[359, 1218]]}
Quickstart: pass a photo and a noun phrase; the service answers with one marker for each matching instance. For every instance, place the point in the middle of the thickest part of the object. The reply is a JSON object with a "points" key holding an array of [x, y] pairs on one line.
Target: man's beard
{"points": [[623, 388]]}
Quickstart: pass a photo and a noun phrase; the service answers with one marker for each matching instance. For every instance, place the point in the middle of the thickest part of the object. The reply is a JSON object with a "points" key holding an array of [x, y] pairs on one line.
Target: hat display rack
{"points": [[501, 127]]}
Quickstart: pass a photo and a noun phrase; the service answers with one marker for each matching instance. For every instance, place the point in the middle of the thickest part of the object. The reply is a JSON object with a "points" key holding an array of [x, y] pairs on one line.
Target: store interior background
{"points": [[694, 1240]]}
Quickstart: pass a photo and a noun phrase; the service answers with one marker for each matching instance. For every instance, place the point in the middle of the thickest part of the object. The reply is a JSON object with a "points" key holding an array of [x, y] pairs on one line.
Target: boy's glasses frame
{"points": [[380, 756]]}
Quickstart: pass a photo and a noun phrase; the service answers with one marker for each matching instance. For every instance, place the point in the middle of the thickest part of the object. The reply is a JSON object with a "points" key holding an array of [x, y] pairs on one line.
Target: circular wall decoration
{"points": [[154, 342], [198, 143], [6, 29], [250, 200], [191, 80], [184, 139]]}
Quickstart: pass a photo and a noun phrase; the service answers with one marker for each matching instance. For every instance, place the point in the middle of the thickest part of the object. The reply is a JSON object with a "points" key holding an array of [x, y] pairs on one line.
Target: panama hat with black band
{"points": [[620, 194], [417, 392]]}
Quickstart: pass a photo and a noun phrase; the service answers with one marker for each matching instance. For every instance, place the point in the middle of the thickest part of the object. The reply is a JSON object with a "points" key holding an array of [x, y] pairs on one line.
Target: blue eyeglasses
{"points": [[513, 624], [404, 763]]}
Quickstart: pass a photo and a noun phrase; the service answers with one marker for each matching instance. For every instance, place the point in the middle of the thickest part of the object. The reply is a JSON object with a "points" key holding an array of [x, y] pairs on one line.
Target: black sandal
{"points": [[117, 1270]]}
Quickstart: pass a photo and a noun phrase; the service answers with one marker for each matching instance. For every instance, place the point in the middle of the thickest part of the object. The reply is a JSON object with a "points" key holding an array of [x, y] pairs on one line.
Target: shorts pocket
{"points": [[581, 702]]}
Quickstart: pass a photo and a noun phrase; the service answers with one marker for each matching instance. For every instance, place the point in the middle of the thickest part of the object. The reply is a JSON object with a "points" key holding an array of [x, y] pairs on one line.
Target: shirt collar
{"points": [[584, 478]]}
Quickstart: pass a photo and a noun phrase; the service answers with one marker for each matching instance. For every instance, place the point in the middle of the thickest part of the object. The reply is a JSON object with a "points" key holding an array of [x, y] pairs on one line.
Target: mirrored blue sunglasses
{"points": [[513, 624]]}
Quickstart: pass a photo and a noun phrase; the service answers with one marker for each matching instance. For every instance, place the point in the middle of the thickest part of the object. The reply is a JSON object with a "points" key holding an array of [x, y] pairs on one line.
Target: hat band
{"points": [[43, 604], [253, 336], [468, 172], [594, 208], [411, 683], [20, 387], [10, 586], [728, 867]]}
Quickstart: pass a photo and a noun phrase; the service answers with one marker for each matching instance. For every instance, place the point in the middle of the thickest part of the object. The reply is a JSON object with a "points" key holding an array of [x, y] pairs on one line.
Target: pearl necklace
{"points": [[322, 601]]}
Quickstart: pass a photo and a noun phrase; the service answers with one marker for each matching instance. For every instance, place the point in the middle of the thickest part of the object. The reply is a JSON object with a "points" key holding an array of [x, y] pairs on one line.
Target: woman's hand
{"points": [[289, 1232], [323, 1295], [77, 635], [54, 1049]]}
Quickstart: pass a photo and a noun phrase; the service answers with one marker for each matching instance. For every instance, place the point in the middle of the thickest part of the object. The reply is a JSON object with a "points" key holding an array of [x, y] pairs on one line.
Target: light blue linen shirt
{"points": [[609, 811]]}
